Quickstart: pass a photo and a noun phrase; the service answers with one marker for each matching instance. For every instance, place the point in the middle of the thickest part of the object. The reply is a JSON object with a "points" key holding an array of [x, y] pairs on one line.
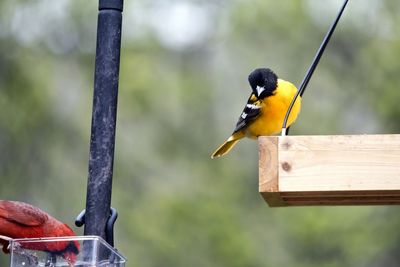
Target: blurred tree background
{"points": [[183, 84]]}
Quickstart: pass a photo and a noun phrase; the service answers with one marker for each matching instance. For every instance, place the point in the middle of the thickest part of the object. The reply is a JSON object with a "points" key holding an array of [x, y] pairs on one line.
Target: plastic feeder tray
{"points": [[93, 252]]}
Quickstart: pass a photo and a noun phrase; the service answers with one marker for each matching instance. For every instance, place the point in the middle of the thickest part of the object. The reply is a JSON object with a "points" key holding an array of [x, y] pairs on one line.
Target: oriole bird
{"points": [[265, 110]]}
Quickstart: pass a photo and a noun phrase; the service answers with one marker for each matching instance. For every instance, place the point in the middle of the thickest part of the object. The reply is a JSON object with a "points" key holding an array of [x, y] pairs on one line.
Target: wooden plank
{"points": [[337, 203], [330, 170], [341, 198], [339, 142], [339, 163], [341, 193], [268, 171]]}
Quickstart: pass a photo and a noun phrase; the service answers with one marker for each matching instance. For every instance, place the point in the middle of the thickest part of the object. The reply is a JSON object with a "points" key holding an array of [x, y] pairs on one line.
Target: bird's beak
{"points": [[259, 90]]}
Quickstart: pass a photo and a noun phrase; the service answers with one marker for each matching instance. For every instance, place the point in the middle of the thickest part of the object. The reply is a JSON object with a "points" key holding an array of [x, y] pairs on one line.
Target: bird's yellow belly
{"points": [[272, 116]]}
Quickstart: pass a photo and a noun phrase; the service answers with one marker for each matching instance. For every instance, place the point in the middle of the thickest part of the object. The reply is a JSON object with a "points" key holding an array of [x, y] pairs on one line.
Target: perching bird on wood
{"points": [[22, 220], [265, 110]]}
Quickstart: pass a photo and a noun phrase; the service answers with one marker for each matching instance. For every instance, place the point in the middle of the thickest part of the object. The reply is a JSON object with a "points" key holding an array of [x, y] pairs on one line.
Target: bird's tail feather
{"points": [[224, 148], [227, 145]]}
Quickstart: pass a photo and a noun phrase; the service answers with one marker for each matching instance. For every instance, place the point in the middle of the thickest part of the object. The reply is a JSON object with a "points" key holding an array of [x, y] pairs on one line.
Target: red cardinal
{"points": [[21, 220]]}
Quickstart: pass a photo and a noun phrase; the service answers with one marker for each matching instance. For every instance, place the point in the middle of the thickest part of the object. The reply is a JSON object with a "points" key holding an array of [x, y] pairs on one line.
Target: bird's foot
{"points": [[5, 242]]}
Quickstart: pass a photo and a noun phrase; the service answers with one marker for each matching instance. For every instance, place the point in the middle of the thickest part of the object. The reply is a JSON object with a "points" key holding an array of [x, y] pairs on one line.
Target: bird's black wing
{"points": [[250, 112]]}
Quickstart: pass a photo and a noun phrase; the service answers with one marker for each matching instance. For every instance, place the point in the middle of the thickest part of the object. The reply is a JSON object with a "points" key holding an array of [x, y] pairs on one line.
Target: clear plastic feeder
{"points": [[93, 252]]}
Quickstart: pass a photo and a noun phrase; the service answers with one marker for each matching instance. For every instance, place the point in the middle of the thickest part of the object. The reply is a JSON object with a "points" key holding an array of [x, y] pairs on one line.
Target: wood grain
{"points": [[268, 171], [331, 170]]}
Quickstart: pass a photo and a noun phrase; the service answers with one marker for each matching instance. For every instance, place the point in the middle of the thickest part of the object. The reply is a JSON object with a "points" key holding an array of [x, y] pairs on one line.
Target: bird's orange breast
{"points": [[273, 111]]}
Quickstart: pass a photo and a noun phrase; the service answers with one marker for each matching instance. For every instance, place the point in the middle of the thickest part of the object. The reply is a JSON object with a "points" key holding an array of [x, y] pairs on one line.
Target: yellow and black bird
{"points": [[265, 110]]}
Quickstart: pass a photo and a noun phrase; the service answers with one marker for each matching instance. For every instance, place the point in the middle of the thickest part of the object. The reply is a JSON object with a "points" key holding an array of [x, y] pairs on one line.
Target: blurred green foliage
{"points": [[183, 83]]}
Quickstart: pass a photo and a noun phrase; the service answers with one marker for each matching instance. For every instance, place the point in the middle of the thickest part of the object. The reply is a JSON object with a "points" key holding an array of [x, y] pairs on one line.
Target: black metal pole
{"points": [[102, 139]]}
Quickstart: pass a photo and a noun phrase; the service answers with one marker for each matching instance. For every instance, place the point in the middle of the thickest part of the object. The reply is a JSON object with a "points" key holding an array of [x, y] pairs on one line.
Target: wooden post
{"points": [[330, 170]]}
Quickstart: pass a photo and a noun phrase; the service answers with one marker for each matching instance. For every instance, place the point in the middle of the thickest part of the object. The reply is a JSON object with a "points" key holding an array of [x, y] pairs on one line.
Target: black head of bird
{"points": [[263, 82]]}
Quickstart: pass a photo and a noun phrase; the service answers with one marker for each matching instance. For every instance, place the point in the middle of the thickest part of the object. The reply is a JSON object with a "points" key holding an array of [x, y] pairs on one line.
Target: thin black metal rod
{"points": [[105, 95], [313, 66]]}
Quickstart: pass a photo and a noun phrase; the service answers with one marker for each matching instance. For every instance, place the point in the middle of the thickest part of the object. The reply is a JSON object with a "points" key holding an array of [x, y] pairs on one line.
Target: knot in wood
{"points": [[286, 145], [286, 166]]}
